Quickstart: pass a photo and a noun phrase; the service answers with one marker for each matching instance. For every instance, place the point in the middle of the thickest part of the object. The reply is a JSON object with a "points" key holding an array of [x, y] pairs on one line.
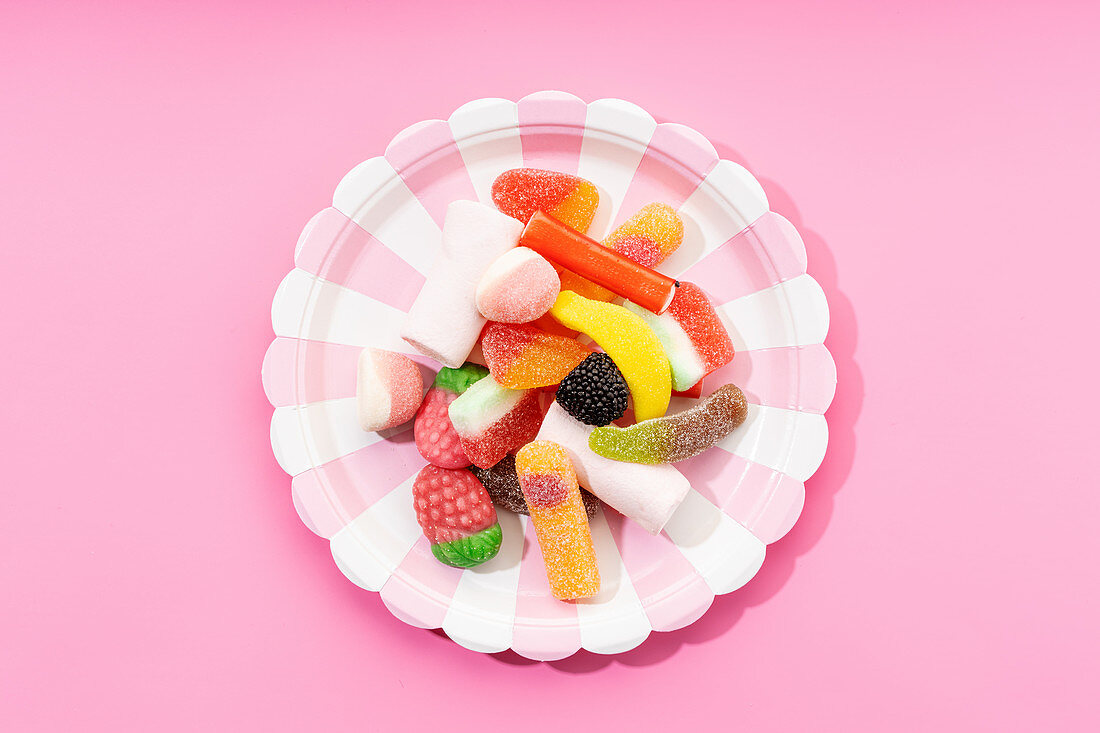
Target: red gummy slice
{"points": [[450, 504], [513, 431], [435, 436], [693, 311]]}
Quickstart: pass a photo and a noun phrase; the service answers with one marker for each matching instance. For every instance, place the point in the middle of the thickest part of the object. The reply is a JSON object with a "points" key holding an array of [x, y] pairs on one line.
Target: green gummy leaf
{"points": [[459, 380], [470, 551]]}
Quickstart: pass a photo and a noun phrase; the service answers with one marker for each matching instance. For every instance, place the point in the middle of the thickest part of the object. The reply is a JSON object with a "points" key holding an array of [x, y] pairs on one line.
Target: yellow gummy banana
{"points": [[630, 343]]}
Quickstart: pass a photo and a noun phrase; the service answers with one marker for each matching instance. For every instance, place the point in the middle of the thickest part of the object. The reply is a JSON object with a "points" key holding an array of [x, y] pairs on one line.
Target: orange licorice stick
{"points": [[603, 266]]}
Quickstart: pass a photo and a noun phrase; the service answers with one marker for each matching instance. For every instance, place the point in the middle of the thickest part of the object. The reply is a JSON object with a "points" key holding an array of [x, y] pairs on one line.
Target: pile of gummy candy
{"points": [[522, 284]]}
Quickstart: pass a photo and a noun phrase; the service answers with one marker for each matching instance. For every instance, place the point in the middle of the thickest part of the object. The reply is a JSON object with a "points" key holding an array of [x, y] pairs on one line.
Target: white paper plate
{"points": [[360, 263]]}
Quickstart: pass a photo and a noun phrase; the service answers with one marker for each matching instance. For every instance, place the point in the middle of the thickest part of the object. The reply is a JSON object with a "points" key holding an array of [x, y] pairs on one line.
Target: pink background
{"points": [[157, 162]]}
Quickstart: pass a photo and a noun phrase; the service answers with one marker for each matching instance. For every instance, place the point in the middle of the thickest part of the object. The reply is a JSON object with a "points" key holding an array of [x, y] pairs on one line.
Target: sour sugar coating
{"points": [[457, 516], [629, 342], [692, 334], [647, 494], [492, 420], [674, 437], [521, 192], [522, 356], [502, 483], [435, 436], [444, 322], [553, 497], [595, 392], [603, 266], [518, 287], [388, 389], [649, 236]]}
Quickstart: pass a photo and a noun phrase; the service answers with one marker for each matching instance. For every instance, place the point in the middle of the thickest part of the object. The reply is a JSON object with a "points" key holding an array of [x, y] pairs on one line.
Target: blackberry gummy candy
{"points": [[594, 392], [455, 513], [553, 497], [629, 342], [521, 192], [674, 437]]}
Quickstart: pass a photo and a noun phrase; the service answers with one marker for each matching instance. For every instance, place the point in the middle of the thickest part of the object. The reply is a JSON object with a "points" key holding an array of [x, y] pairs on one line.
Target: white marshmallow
{"points": [[444, 322], [518, 287], [647, 494]]}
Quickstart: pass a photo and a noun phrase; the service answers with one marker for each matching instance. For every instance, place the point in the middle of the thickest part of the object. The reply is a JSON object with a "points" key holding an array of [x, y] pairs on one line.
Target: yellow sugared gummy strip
{"points": [[561, 528], [630, 343]]}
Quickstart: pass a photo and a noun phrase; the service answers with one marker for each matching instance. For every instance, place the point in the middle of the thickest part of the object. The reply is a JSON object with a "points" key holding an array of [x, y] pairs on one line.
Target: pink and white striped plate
{"points": [[360, 263]]}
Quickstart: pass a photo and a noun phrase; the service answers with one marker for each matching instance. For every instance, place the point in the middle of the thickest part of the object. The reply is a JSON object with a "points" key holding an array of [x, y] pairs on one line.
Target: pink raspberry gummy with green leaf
{"points": [[457, 516], [433, 432]]}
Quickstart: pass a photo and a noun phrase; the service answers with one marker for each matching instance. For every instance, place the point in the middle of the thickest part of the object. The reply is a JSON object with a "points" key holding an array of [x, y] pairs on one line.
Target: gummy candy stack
{"points": [[519, 285]]}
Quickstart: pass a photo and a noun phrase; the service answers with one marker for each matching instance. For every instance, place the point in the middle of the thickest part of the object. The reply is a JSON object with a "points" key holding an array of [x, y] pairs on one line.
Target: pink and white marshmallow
{"points": [[518, 287], [444, 322], [389, 389], [648, 494]]}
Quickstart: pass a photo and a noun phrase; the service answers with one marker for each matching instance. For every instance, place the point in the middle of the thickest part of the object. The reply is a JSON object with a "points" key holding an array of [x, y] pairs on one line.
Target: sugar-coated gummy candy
{"points": [[521, 192], [456, 515], [433, 432], [492, 420], [629, 342], [649, 495], [518, 287], [674, 437], [650, 236], [444, 322], [502, 483], [549, 485], [603, 266], [595, 392], [388, 389], [692, 334], [521, 356]]}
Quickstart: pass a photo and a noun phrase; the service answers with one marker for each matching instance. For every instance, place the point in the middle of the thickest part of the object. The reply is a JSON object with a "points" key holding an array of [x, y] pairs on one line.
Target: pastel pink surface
{"points": [[159, 161]]}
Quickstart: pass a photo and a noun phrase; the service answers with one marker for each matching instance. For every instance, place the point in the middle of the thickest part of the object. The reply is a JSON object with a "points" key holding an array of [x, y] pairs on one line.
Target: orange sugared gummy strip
{"points": [[549, 484]]}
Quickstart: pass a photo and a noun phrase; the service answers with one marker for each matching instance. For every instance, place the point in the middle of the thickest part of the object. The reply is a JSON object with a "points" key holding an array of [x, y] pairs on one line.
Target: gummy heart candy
{"points": [[674, 437], [521, 192]]}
